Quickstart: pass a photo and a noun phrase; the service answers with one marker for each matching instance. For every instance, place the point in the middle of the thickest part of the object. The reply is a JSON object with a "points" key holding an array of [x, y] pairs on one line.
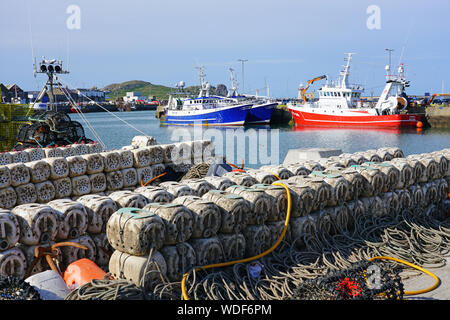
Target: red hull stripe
{"points": [[396, 120]]}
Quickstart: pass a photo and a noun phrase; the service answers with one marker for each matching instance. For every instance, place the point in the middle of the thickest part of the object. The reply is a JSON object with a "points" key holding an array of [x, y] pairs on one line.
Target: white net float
{"points": [[384, 154], [179, 258], [143, 141], [126, 198], [126, 158], [141, 157], [406, 177], [35, 154], [19, 174], [373, 206], [219, 183], [13, 263], [9, 230], [111, 160], [95, 147], [5, 158], [235, 210], [98, 182], [206, 215], [167, 152], [260, 203], [309, 194], [391, 203], [143, 271], [208, 251], [45, 191], [19, 157], [5, 177], [241, 178], [38, 223], [135, 231], [39, 170], [257, 239], [282, 172], [80, 149], [63, 187], [8, 197], [26, 193], [73, 219], [156, 154], [155, 194], [279, 201], [53, 152], [178, 220], [276, 228], [177, 189], [81, 185], [144, 175], [59, 168], [233, 246], [263, 177], [130, 177], [68, 151], [181, 152], [419, 169], [158, 169], [200, 186], [98, 209], [95, 163], [77, 166], [114, 180]]}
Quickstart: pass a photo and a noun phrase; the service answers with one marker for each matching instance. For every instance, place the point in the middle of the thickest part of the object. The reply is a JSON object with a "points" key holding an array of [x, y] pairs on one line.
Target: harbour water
{"points": [[273, 142]]}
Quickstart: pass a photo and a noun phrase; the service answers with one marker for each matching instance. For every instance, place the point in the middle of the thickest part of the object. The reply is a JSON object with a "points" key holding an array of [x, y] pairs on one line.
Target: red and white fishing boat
{"points": [[340, 105]]}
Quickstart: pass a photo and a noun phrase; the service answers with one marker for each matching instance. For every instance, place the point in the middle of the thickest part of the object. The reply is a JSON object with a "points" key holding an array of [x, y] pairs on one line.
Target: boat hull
{"points": [[260, 114], [224, 116], [359, 119]]}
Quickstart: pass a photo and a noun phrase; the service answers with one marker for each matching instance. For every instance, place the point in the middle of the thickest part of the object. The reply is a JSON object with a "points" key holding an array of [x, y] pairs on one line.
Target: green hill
{"points": [[147, 89], [117, 90]]}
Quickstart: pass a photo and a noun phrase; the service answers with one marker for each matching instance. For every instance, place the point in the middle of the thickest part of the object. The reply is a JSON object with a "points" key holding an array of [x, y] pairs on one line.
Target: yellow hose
{"points": [[410, 293], [225, 264]]}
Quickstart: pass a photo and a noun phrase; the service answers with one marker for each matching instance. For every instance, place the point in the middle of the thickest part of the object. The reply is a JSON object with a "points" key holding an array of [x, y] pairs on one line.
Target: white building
{"points": [[132, 97], [92, 94]]}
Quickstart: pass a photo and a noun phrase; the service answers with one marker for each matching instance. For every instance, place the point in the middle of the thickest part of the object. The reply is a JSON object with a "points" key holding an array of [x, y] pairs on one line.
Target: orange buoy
{"points": [[419, 124], [82, 271]]}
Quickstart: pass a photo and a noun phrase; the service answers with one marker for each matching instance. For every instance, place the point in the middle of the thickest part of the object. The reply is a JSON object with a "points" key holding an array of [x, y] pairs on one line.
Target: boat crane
{"points": [[303, 90]]}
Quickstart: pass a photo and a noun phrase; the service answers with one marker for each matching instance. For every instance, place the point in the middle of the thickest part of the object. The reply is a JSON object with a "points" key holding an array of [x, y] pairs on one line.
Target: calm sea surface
{"points": [[263, 144]]}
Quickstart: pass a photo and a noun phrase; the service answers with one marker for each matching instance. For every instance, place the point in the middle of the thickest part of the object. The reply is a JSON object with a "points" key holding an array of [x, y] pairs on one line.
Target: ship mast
{"points": [[204, 85], [234, 84], [346, 72]]}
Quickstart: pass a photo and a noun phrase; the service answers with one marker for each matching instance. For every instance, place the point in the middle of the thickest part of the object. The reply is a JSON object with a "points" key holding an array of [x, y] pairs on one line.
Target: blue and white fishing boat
{"points": [[204, 109], [262, 108]]}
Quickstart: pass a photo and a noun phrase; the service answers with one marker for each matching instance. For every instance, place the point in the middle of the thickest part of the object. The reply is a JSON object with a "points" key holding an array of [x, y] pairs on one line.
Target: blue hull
{"points": [[223, 116], [260, 113]]}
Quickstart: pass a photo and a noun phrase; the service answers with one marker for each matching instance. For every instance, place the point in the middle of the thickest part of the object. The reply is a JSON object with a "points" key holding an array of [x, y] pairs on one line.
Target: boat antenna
{"points": [[234, 84], [345, 73], [33, 57], [388, 66]]}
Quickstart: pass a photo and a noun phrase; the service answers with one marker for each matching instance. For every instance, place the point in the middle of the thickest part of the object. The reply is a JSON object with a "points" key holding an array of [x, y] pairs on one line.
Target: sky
{"points": [[286, 42]]}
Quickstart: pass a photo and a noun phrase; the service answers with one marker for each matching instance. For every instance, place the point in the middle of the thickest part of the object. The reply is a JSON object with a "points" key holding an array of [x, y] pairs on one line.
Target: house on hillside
{"points": [[4, 92]]}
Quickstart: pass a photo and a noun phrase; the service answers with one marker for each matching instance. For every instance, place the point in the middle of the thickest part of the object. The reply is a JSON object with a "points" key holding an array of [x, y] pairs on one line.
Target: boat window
{"points": [[339, 94]]}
